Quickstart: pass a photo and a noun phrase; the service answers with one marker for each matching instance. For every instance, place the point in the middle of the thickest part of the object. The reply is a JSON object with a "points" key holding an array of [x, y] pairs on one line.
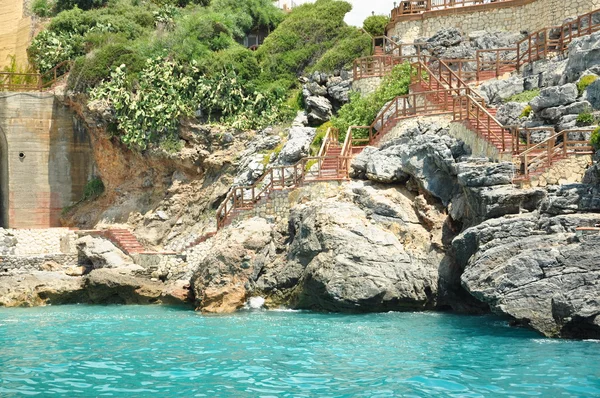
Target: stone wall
{"points": [[567, 171], [15, 31], [480, 147], [367, 85], [25, 250], [46, 160], [510, 16]]}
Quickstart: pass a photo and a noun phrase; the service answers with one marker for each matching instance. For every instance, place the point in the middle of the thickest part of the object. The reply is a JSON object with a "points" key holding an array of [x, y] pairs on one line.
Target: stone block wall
{"points": [[566, 171], [367, 85], [25, 250], [509, 16]]}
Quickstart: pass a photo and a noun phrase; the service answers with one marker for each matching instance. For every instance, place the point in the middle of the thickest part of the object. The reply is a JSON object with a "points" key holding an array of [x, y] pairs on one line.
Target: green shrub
{"points": [[93, 188], [376, 24], [585, 119], [595, 139], [584, 82], [315, 146], [354, 45], [302, 38], [525, 96], [361, 111], [88, 71], [48, 49], [41, 8], [526, 111], [63, 5]]}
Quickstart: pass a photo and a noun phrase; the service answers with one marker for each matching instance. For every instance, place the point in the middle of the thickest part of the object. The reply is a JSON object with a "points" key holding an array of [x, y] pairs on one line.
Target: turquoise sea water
{"points": [[134, 351]]}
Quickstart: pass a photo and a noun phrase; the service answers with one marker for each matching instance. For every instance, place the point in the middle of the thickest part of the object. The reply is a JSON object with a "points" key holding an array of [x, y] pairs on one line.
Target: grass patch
{"points": [[272, 154], [315, 146], [525, 96], [584, 82], [526, 112], [585, 119], [310, 164]]}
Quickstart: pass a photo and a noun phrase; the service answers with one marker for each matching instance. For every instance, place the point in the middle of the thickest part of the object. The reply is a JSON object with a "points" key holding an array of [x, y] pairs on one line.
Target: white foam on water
{"points": [[256, 303]]}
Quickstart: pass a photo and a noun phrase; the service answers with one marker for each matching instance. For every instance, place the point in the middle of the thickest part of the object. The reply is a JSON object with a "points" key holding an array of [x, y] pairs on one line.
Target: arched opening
{"points": [[4, 194]]}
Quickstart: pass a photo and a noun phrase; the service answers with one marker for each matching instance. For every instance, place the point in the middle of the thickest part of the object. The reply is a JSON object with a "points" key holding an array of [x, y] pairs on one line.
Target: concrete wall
{"points": [[15, 31], [480, 147], [45, 160], [510, 16]]}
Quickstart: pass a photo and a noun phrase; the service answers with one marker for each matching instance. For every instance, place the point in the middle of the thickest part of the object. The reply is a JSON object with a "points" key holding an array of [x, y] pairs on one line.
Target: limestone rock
{"points": [[509, 114], [40, 288], [353, 266], [584, 53], [101, 253], [298, 144], [568, 199], [546, 281], [495, 91], [225, 272], [592, 94], [319, 110], [478, 175], [554, 96]]}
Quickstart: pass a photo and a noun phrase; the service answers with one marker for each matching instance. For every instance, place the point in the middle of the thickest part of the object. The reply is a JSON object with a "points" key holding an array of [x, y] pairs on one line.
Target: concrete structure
{"points": [[510, 16], [46, 160], [16, 31]]}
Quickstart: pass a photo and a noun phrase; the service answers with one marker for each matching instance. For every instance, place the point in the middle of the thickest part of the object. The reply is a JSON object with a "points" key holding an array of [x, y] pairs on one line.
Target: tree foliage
{"points": [[376, 24]]}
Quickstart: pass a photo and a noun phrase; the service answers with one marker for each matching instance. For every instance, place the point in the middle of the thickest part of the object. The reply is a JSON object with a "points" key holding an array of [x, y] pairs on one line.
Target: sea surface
{"points": [[157, 351]]}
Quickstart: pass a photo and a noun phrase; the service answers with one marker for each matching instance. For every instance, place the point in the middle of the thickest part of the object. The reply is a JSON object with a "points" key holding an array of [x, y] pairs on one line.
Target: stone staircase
{"points": [[124, 240]]}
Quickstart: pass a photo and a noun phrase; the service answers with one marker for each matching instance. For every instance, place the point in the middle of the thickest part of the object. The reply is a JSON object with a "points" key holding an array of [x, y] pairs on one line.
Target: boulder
{"points": [[509, 114], [554, 96], [226, 270], [592, 94], [316, 89], [444, 38], [358, 165], [339, 90], [566, 122], [298, 144], [545, 281], [496, 91], [319, 110], [572, 198], [584, 53], [352, 265], [101, 253], [481, 175]]}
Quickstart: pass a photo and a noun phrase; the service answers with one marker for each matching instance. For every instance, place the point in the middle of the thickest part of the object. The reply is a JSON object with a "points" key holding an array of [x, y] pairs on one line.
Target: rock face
{"points": [[319, 110], [352, 265], [495, 91], [324, 93], [554, 96], [510, 113], [592, 94], [533, 269], [101, 253], [298, 144], [584, 53]]}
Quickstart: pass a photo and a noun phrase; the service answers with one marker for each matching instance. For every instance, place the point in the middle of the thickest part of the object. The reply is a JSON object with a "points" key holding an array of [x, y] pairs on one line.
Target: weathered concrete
{"points": [[45, 160], [15, 31]]}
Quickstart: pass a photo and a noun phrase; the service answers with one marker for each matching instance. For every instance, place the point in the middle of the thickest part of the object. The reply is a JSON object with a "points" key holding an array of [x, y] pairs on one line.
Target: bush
{"points": [[93, 188], [354, 45], [48, 49], [361, 111], [302, 38], [63, 5], [526, 111], [376, 24], [88, 71], [595, 139], [315, 146], [525, 96], [584, 82], [585, 119], [41, 8]]}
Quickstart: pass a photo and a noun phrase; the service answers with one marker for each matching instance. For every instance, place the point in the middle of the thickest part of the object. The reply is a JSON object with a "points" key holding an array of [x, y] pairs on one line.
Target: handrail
{"points": [[484, 121], [42, 80], [411, 7]]}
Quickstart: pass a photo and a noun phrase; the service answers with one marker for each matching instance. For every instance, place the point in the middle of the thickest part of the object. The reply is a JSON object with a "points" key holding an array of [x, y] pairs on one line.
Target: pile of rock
{"points": [[324, 94]]}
